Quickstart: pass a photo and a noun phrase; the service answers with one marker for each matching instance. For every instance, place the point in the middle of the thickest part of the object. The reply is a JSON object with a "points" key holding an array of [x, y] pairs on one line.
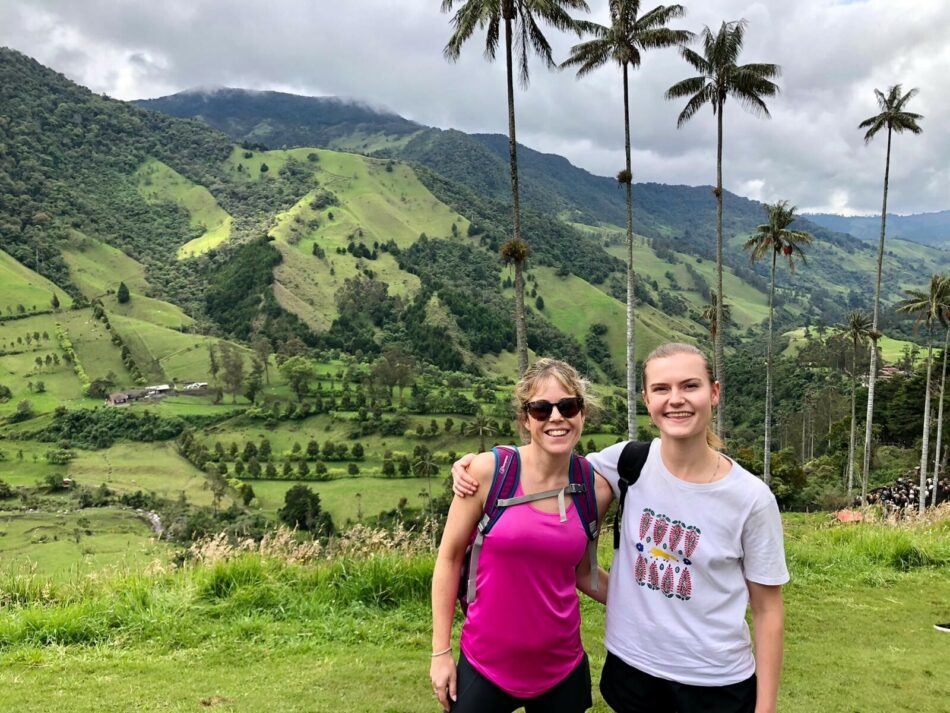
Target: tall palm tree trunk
{"points": [[631, 324], [924, 452], [767, 458], [943, 384], [720, 322], [872, 371], [851, 443], [521, 330]]}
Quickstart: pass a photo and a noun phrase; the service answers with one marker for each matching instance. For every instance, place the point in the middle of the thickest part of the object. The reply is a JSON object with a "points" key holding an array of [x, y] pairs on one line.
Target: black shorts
{"points": [[629, 690], [476, 694]]}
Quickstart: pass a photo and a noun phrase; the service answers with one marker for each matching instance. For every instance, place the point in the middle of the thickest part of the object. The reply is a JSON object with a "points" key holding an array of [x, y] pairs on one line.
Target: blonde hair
{"points": [[543, 369], [671, 349]]}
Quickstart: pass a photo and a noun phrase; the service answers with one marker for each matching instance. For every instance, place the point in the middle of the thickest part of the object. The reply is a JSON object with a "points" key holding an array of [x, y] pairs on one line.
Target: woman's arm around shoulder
{"points": [[604, 495], [462, 519]]}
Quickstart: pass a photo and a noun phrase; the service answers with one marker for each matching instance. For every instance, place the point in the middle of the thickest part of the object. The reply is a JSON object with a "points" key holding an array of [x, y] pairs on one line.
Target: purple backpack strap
{"points": [[585, 500], [503, 486]]}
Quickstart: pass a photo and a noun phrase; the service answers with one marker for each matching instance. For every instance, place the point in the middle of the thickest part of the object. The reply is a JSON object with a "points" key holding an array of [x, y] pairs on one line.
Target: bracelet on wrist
{"points": [[443, 652]]}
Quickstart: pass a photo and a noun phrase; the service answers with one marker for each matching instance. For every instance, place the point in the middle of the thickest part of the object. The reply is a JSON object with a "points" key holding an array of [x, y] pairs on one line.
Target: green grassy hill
{"points": [[23, 291], [159, 183]]}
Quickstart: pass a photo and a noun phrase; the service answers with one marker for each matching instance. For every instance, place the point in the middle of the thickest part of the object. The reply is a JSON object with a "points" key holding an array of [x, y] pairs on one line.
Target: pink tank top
{"points": [[522, 631]]}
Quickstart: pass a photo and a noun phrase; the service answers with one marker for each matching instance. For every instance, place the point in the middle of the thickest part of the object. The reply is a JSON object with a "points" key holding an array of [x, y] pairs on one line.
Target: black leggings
{"points": [[476, 694], [629, 690]]}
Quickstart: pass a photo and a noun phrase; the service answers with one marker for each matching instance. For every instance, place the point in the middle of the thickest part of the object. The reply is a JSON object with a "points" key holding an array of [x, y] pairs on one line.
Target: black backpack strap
{"points": [[629, 466]]}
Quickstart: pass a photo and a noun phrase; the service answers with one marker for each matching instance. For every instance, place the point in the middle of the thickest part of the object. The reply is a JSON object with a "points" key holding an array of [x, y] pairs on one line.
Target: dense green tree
{"points": [[622, 42], [772, 239], [299, 373], [719, 78], [894, 117], [255, 380], [930, 307], [302, 510], [232, 368], [122, 295], [313, 449], [519, 17]]}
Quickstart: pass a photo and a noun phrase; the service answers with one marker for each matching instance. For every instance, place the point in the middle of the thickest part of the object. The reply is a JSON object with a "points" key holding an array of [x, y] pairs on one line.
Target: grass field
{"points": [[20, 373], [377, 201], [749, 305], [572, 305], [24, 463], [159, 183], [352, 635], [97, 269], [149, 467], [166, 354], [346, 498], [892, 350], [23, 288], [64, 544]]}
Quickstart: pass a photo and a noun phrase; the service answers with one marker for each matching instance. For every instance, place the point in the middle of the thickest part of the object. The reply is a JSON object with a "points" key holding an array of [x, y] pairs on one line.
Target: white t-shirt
{"points": [[677, 598]]}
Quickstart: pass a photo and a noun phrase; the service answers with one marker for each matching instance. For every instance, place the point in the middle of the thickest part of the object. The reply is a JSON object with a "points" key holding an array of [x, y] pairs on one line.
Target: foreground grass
{"points": [[352, 633]]}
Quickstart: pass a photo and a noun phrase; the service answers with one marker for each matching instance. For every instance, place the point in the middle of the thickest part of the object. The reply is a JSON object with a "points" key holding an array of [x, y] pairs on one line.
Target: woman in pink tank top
{"points": [[520, 642]]}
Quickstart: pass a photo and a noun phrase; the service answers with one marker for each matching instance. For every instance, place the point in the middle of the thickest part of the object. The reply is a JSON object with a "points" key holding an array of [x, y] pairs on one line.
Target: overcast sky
{"points": [[833, 54]]}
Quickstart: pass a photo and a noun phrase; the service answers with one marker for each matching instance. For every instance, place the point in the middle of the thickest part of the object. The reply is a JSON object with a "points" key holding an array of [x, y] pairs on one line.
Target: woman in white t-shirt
{"points": [[701, 540]]}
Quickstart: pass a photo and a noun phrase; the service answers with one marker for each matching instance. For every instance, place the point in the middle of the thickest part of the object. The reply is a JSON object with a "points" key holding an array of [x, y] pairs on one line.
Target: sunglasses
{"points": [[541, 410]]}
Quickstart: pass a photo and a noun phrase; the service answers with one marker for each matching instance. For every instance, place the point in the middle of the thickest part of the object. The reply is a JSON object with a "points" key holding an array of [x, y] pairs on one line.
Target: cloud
{"points": [[833, 55]]}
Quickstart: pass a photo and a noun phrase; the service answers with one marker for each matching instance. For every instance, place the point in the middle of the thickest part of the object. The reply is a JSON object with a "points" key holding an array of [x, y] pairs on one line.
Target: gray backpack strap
{"points": [[594, 569], [473, 559], [559, 492]]}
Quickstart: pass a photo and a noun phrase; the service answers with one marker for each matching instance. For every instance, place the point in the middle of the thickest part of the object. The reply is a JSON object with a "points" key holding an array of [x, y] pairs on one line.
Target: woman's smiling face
{"points": [[679, 395], [557, 434]]}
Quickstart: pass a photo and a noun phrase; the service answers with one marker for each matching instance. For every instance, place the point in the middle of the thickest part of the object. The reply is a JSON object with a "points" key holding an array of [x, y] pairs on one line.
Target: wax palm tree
{"points": [[520, 20], [857, 328], [711, 314], [930, 307], [481, 426], [719, 78], [943, 384], [623, 42], [427, 466], [775, 238], [893, 117]]}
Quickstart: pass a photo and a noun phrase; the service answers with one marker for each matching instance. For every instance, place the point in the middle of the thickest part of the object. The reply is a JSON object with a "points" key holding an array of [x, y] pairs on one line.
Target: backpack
{"points": [[629, 466], [501, 495]]}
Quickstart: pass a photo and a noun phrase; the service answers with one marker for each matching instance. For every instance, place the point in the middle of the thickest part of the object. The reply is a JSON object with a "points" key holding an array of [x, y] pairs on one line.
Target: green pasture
{"points": [[352, 634], [892, 350], [166, 354], [385, 204], [346, 498], [375, 205], [62, 544], [94, 347], [340, 429], [18, 369], [97, 269], [158, 183], [150, 467], [21, 287], [369, 142], [23, 463], [749, 306]]}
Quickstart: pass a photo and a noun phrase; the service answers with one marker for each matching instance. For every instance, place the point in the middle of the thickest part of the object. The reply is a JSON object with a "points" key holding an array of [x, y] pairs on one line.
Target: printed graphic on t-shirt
{"points": [[663, 555]]}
